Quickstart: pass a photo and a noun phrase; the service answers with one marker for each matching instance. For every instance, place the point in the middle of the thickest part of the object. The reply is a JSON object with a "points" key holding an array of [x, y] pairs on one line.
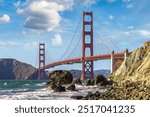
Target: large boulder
{"points": [[77, 97], [87, 82], [59, 88], [77, 81], [71, 87], [100, 80], [51, 85], [61, 77]]}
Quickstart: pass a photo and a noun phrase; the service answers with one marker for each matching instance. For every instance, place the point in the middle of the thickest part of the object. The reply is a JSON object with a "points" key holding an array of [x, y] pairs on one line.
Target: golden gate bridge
{"points": [[85, 60]]}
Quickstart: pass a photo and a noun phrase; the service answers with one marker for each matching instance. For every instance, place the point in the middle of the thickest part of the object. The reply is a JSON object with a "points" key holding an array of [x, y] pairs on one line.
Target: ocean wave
{"points": [[45, 94]]}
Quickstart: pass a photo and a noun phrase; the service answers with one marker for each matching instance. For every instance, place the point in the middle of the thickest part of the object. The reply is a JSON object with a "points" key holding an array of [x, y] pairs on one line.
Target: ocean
{"points": [[36, 90]]}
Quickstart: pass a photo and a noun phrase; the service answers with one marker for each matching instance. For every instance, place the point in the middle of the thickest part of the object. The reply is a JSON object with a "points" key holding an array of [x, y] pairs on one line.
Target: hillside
{"points": [[77, 73], [136, 67], [132, 79], [11, 69]]}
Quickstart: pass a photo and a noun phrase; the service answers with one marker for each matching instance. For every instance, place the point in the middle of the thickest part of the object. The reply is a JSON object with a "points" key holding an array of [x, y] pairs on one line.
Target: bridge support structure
{"points": [[116, 62], [87, 44], [41, 70]]}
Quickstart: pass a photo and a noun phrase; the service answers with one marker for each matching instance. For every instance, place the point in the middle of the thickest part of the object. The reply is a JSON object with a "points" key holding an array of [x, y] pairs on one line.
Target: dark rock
{"points": [[71, 87], [77, 81], [87, 82], [48, 83], [51, 86], [61, 77], [77, 97], [59, 88], [100, 80], [89, 96], [127, 91]]}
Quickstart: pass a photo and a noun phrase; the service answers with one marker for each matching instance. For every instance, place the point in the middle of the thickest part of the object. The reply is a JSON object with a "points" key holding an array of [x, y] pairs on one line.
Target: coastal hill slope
{"points": [[136, 67], [11, 69]]}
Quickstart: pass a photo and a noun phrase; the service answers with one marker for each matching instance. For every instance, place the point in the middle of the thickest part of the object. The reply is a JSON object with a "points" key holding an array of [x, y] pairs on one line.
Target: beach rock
{"points": [[71, 87], [77, 81], [77, 97], [61, 77], [91, 96], [100, 80], [50, 85], [59, 88], [87, 82]]}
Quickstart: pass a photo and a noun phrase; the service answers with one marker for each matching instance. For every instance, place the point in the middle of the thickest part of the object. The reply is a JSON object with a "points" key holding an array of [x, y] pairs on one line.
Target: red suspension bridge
{"points": [[85, 60]]}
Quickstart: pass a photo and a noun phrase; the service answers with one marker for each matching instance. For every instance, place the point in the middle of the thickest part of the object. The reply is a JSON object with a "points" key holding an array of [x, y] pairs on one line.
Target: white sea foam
{"points": [[5, 83], [45, 94]]}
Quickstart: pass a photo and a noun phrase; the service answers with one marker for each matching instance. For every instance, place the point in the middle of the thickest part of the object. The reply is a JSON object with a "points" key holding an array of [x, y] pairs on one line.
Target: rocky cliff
{"points": [[136, 67], [11, 69]]}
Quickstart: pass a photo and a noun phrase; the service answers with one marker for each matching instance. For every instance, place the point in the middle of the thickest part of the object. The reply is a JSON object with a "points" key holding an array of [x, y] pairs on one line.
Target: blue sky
{"points": [[25, 23]]}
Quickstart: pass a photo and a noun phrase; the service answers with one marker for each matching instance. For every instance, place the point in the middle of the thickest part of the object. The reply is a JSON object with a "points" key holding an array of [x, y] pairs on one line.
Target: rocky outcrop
{"points": [[61, 77], [59, 88], [132, 79], [100, 80], [77, 81], [88, 82], [11, 69], [136, 67], [71, 87], [127, 91]]}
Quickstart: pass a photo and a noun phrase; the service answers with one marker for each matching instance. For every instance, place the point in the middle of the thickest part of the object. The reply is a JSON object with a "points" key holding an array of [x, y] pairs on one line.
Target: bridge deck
{"points": [[88, 58]]}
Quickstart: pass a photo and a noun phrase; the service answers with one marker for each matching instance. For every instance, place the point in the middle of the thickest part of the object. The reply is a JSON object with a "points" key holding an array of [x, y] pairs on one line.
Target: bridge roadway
{"points": [[88, 58]]}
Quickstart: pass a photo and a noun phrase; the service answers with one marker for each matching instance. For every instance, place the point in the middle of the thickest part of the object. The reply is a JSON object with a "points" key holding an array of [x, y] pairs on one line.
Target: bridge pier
{"points": [[116, 62]]}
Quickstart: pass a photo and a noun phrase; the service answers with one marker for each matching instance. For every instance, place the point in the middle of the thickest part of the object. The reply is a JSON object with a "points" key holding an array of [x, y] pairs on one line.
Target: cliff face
{"points": [[11, 69], [136, 67]]}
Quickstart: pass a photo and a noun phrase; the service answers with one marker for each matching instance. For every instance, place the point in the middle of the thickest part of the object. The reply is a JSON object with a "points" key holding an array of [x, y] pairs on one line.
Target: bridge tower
{"points": [[116, 62], [87, 45], [41, 61]]}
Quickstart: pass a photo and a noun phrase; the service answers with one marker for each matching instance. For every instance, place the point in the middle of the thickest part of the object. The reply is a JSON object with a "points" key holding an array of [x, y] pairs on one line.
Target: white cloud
{"points": [[130, 35], [42, 15], [130, 6], [4, 19], [57, 40], [31, 45], [130, 27], [9, 44], [88, 3], [142, 33], [68, 4], [111, 17], [126, 33], [24, 32], [17, 44]]}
